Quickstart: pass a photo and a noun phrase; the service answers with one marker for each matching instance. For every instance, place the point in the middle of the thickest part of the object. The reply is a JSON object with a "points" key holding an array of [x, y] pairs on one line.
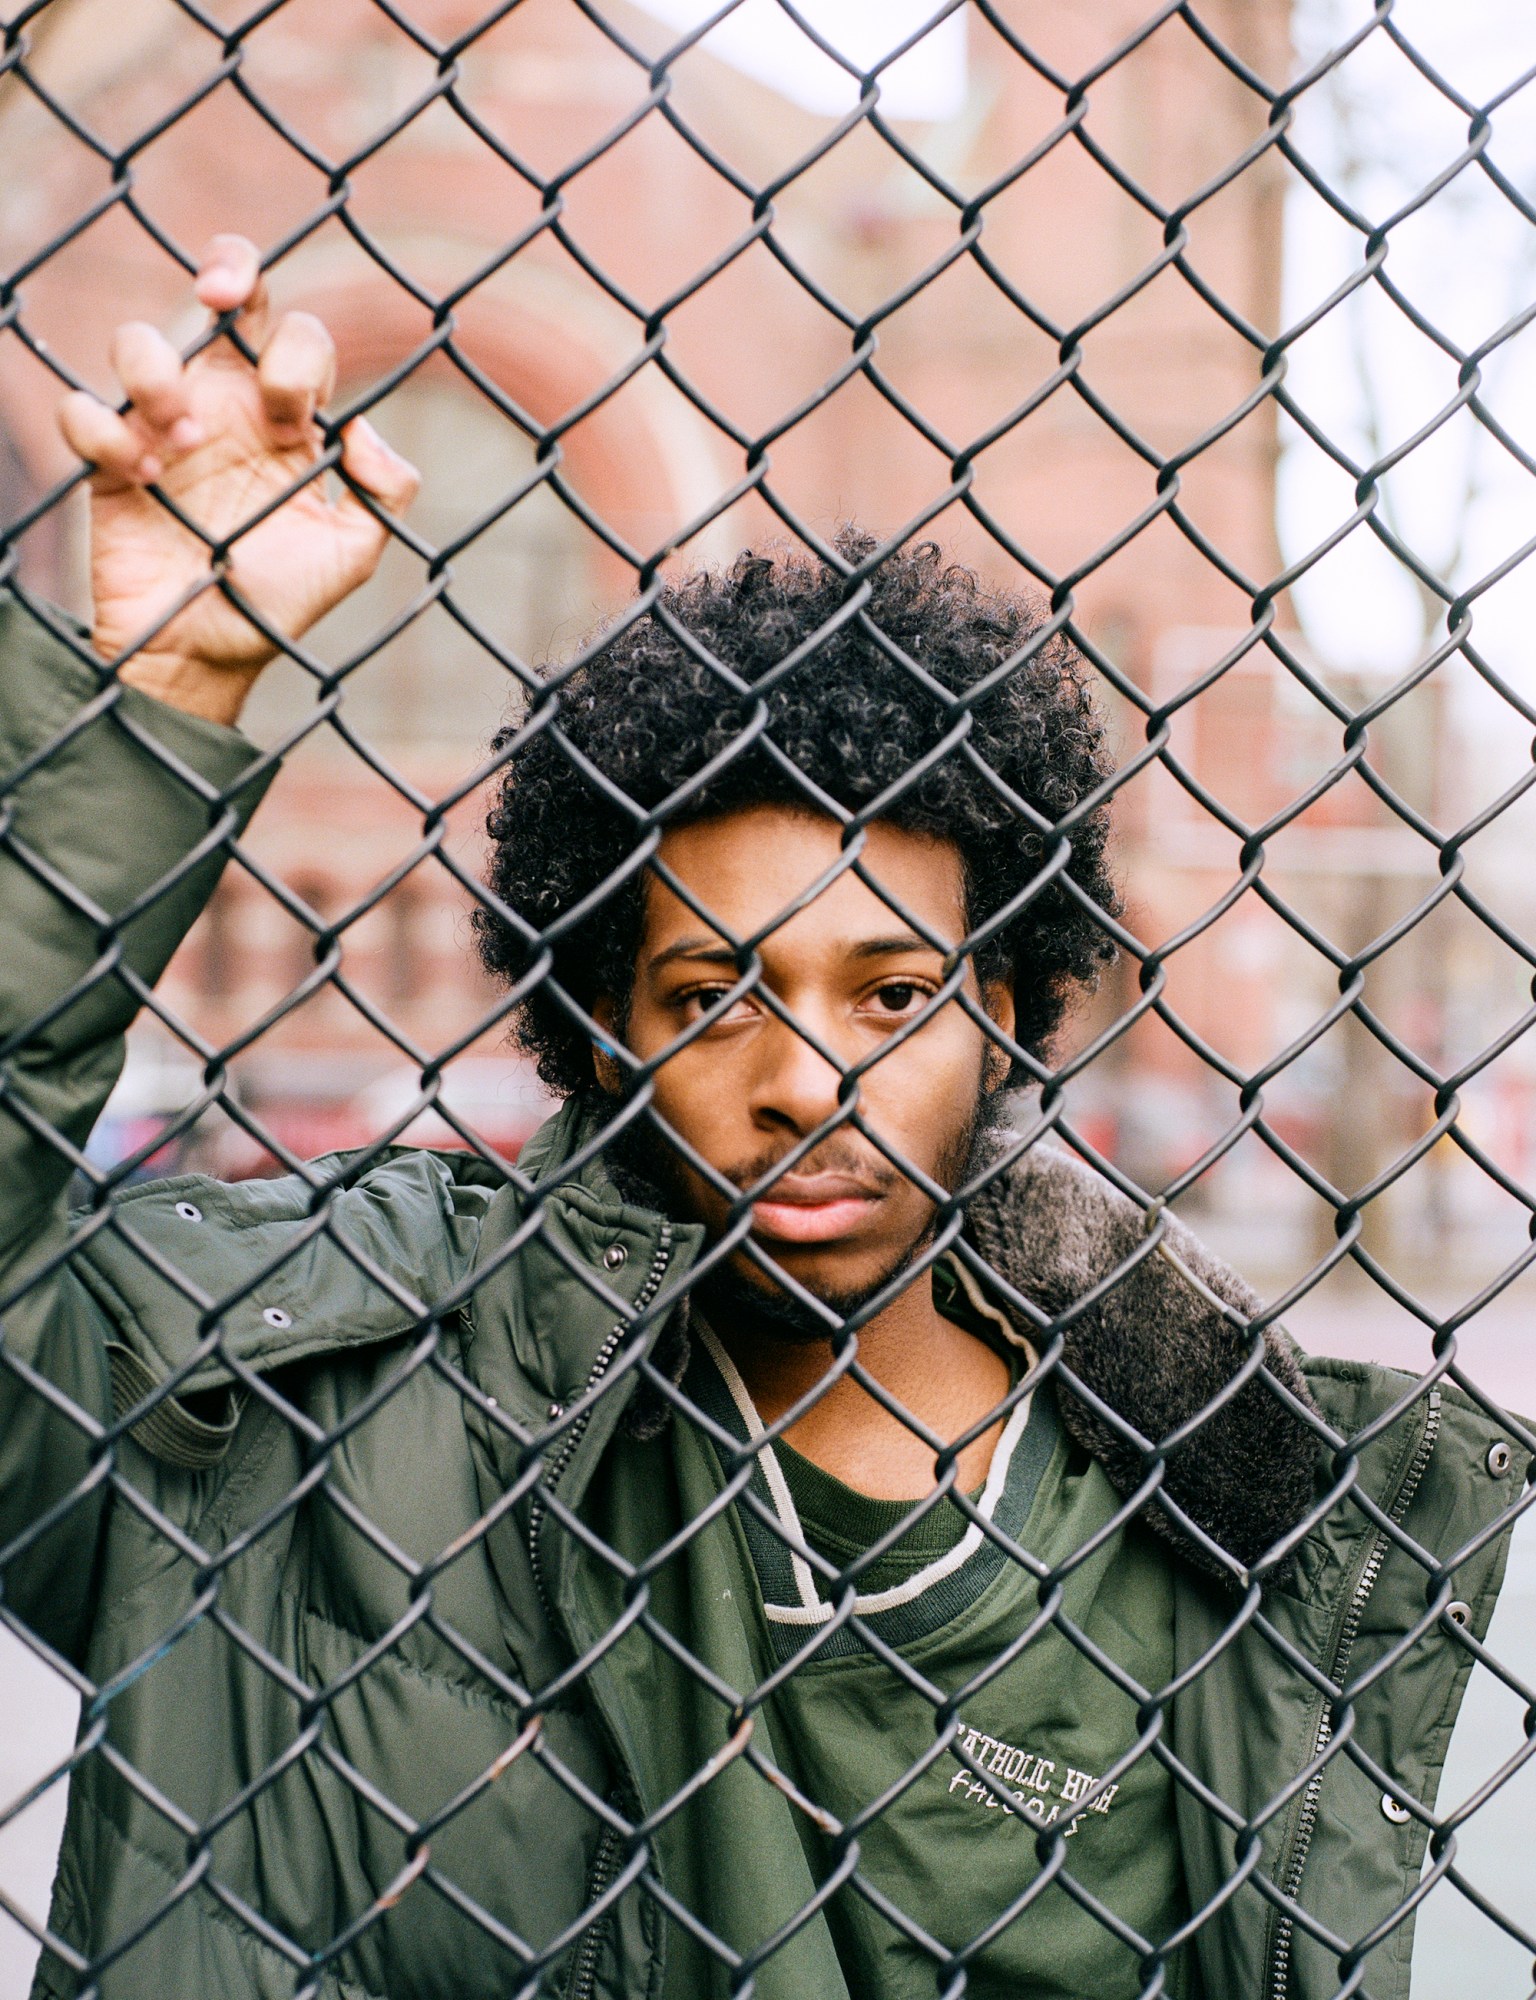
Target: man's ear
{"points": [[997, 999], [604, 1063]]}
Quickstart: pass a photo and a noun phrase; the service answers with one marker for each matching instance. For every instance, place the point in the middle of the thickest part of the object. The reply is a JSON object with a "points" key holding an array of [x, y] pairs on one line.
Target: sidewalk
{"points": [[1352, 1318], [39, 1712]]}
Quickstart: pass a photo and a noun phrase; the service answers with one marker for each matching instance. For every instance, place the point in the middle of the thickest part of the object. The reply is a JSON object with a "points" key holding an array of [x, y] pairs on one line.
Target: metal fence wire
{"points": [[443, 1613]]}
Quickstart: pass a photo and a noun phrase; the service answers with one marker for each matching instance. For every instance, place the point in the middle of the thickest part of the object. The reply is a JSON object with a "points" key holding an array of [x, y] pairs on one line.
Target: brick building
{"points": [[542, 338]]}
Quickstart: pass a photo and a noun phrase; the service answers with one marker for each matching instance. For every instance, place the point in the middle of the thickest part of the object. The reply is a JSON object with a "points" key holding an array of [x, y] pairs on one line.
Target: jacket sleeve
{"points": [[116, 815]]}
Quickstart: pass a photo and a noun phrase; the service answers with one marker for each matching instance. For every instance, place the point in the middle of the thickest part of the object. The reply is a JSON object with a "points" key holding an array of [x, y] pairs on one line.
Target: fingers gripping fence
{"points": [[448, 1604]]}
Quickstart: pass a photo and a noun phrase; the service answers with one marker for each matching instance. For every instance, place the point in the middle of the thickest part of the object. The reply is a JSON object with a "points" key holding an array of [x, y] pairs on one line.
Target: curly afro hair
{"points": [[649, 711]]}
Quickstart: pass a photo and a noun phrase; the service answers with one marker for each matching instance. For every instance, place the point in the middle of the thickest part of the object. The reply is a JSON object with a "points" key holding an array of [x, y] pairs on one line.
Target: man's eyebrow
{"points": [[714, 951], [900, 942], [702, 950]]}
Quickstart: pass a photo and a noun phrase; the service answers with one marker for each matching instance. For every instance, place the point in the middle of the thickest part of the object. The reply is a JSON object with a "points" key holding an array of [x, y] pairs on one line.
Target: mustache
{"points": [[872, 1170]]}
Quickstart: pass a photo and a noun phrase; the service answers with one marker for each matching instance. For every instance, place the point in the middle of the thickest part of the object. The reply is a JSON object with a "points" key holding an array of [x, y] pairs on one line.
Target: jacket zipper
{"points": [[1278, 1986], [565, 1451], [605, 1865], [605, 1862]]}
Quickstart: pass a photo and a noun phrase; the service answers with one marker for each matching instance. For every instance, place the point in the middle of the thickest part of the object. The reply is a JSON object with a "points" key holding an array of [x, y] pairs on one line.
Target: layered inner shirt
{"points": [[947, 1706]]}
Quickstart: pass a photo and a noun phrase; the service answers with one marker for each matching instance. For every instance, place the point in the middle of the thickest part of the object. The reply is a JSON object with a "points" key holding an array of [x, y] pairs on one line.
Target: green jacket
{"points": [[299, 1479]]}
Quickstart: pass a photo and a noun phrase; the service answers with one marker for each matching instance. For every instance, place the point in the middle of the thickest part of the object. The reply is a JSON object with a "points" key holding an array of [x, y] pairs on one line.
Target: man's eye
{"points": [[699, 999], [900, 996]]}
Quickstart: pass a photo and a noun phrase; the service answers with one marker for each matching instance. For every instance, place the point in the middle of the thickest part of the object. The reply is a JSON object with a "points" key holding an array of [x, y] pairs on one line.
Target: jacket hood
{"points": [[1154, 1330]]}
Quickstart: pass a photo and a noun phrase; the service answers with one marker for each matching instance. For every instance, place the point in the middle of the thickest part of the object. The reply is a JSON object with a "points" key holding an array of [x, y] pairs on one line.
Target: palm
{"points": [[292, 566]]}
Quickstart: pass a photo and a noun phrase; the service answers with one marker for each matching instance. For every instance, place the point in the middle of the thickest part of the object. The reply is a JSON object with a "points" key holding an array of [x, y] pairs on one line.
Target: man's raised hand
{"points": [[223, 440]]}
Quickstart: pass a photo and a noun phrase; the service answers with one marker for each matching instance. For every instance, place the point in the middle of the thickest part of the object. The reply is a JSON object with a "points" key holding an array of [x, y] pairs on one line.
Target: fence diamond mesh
{"points": [[490, 1562]]}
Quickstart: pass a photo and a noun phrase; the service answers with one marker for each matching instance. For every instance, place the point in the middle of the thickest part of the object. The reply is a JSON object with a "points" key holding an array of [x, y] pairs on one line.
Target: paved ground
{"points": [[1460, 1952], [1497, 1348], [37, 1722]]}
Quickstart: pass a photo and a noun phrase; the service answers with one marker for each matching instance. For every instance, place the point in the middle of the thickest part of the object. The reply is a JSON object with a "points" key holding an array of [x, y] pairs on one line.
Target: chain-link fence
{"points": [[749, 1485]]}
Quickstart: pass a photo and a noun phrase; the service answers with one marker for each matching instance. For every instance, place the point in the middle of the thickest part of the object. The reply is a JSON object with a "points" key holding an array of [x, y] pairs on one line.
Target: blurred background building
{"points": [[543, 337]]}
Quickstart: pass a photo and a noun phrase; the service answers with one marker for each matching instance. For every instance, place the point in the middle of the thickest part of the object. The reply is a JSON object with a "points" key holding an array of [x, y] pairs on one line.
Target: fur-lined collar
{"points": [[1156, 1350]]}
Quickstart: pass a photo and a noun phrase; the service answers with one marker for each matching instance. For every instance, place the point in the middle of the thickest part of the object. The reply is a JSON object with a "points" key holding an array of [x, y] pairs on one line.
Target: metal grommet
{"points": [[275, 1316], [189, 1211], [615, 1255], [1500, 1458], [1390, 1809], [1459, 1613]]}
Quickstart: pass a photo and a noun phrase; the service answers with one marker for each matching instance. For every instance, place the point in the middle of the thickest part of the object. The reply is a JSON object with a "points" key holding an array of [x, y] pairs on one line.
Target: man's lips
{"points": [[813, 1208]]}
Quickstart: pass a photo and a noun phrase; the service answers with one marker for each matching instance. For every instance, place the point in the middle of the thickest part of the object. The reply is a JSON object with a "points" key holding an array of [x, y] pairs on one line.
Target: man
{"points": [[788, 1537]]}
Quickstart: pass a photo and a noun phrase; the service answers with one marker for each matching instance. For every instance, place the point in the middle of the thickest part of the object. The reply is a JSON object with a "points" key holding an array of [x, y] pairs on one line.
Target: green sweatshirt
{"points": [[956, 1701]]}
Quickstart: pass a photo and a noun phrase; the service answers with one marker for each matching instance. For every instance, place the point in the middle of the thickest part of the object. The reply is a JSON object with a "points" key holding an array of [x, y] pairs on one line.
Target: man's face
{"points": [[747, 1090]]}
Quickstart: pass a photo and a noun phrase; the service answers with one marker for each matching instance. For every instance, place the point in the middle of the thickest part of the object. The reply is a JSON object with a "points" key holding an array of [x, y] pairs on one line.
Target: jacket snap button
{"points": [[615, 1255], [189, 1211], [1500, 1458], [1390, 1809], [1459, 1613], [275, 1316]]}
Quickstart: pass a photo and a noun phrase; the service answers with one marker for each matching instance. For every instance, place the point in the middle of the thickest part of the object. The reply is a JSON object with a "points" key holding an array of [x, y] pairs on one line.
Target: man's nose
{"points": [[794, 1084]]}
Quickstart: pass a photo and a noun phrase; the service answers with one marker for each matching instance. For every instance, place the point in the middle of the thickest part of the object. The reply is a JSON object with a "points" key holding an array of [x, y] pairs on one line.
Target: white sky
{"points": [[760, 38], [1468, 263]]}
